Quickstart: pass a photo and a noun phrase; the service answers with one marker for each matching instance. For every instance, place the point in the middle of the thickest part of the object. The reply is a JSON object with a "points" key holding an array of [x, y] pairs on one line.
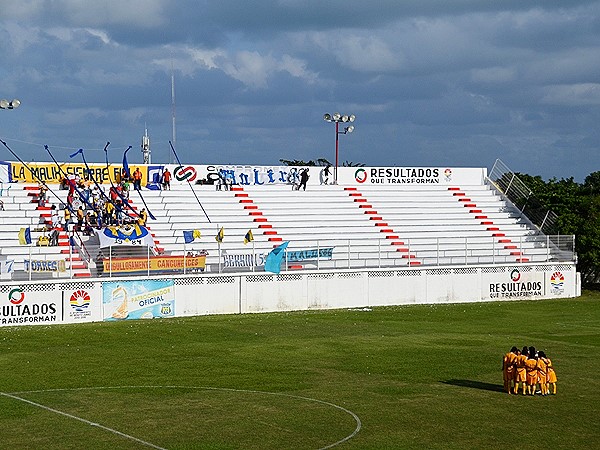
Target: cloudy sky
{"points": [[431, 82]]}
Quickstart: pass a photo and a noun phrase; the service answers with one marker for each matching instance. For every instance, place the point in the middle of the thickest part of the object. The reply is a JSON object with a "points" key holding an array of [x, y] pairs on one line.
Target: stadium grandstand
{"points": [[222, 225]]}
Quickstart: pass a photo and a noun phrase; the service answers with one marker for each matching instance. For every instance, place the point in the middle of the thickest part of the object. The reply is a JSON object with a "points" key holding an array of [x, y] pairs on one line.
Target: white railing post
{"points": [[348, 253], [318, 259], [493, 250], [379, 252], [548, 248], [148, 259], [110, 261], [437, 246]]}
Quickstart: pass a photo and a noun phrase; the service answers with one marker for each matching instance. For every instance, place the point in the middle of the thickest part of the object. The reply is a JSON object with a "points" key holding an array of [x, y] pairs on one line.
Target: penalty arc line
{"points": [[208, 388], [70, 416]]}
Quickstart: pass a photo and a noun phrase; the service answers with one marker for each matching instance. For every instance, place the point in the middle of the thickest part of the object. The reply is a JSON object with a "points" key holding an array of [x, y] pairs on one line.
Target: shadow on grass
{"points": [[473, 384]]}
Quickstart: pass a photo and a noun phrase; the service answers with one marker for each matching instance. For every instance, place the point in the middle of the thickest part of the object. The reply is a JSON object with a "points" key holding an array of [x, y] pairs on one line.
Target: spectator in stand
{"points": [[304, 176], [67, 217], [55, 218], [109, 213], [43, 195], [137, 179], [166, 179], [119, 212], [80, 218], [142, 218]]}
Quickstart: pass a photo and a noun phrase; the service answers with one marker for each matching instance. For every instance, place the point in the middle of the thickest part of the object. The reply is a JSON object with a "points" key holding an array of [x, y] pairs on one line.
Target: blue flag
{"points": [[76, 153], [25, 236], [191, 236], [125, 164], [273, 262]]}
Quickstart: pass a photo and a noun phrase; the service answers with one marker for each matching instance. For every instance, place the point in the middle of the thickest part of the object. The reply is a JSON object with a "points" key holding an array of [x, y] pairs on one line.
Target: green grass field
{"points": [[404, 377]]}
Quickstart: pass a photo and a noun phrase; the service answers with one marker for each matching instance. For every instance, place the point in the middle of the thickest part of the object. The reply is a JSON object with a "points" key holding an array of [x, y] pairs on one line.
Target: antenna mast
{"points": [[174, 139], [146, 146]]}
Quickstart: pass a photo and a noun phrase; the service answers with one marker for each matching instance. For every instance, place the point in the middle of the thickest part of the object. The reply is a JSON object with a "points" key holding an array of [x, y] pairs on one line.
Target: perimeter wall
{"points": [[59, 302]]}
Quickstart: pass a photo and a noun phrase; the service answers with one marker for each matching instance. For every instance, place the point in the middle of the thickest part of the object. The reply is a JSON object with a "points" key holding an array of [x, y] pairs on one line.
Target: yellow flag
{"points": [[248, 237], [220, 235]]}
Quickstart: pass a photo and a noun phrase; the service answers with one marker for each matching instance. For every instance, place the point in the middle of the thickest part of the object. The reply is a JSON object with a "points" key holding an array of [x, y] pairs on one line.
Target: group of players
{"points": [[530, 370]]}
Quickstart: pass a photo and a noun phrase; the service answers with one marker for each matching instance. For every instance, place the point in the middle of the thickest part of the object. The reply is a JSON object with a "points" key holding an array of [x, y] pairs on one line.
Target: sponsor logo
{"points": [[448, 174], [80, 300], [360, 175], [557, 281], [182, 173], [16, 296], [517, 288]]}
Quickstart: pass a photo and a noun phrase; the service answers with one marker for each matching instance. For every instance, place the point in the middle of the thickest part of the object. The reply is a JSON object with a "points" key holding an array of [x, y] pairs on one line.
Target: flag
{"points": [[76, 153], [273, 262], [219, 236], [190, 236], [25, 236], [125, 165], [248, 237]]}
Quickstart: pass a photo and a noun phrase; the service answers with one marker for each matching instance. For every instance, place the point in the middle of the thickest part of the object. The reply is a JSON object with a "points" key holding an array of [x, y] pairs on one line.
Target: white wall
{"points": [[31, 303]]}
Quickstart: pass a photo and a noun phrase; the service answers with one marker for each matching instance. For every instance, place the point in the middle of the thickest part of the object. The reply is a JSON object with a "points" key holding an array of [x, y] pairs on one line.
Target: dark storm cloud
{"points": [[431, 82]]}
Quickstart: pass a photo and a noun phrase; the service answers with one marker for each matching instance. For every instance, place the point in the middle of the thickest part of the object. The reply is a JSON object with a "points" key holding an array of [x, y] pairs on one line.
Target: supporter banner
{"points": [[37, 265], [244, 259], [21, 307], [302, 255], [154, 264], [130, 234], [255, 175], [142, 299], [50, 173]]}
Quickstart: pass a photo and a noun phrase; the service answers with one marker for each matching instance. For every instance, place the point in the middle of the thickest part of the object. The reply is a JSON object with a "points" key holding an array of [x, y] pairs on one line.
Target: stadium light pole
{"points": [[337, 118], [12, 104]]}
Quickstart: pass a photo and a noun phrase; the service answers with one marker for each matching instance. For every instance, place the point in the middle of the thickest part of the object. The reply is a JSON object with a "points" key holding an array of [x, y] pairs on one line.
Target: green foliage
{"points": [[578, 209], [299, 162]]}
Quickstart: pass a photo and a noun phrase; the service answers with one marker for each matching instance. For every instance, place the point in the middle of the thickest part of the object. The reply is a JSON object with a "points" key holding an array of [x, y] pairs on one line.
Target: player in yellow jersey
{"points": [[542, 370], [531, 372], [550, 376], [520, 371], [508, 369]]}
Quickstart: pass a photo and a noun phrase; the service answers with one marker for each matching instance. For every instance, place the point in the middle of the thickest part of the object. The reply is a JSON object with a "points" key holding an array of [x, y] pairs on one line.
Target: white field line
{"points": [[208, 388], [70, 416]]}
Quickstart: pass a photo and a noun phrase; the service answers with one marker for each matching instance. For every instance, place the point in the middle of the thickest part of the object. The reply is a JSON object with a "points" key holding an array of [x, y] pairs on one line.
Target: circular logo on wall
{"points": [[360, 175], [16, 296], [185, 173], [80, 300], [515, 275]]}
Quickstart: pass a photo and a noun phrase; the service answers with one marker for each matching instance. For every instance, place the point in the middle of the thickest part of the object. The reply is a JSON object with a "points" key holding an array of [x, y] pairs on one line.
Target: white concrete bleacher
{"points": [[368, 226], [22, 210]]}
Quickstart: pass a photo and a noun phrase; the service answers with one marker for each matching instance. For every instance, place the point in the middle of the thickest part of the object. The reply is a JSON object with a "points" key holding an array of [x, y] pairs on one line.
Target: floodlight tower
{"points": [[9, 104], [337, 118]]}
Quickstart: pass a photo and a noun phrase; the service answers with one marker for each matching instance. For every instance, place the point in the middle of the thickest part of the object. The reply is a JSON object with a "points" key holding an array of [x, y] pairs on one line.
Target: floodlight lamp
{"points": [[327, 117], [336, 116], [352, 118], [350, 129], [15, 103], [4, 104], [345, 118]]}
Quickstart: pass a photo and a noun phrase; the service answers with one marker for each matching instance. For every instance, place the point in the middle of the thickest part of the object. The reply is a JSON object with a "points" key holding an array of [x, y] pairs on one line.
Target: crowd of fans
{"points": [[89, 206]]}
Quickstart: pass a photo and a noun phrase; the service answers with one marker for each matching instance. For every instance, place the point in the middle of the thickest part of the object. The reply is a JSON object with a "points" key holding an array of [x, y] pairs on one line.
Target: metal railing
{"points": [[517, 192], [300, 255]]}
